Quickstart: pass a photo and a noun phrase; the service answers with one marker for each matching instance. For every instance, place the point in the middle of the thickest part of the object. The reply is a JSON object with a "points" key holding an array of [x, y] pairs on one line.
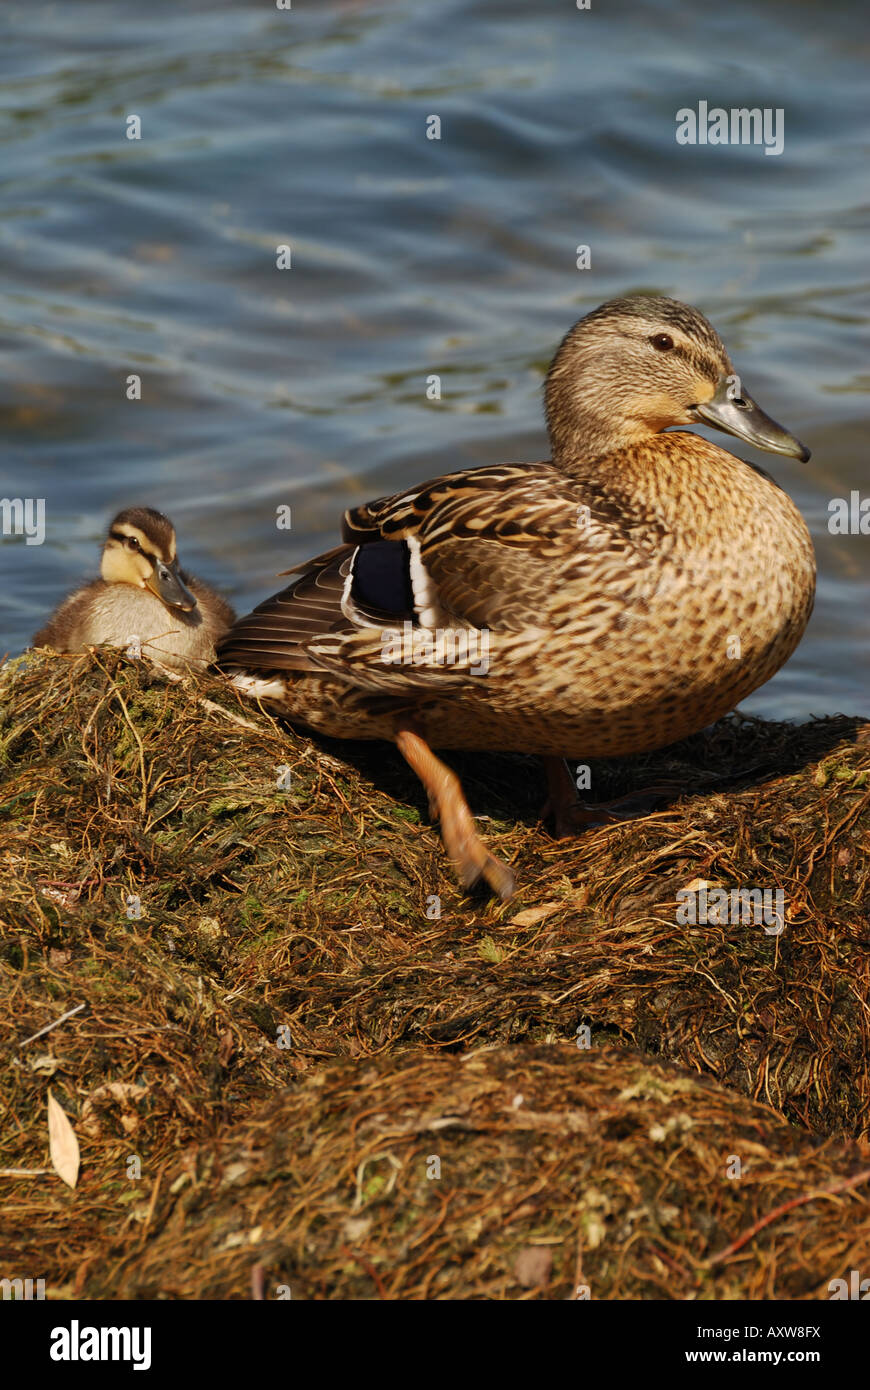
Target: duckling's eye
{"points": [[663, 341], [132, 543]]}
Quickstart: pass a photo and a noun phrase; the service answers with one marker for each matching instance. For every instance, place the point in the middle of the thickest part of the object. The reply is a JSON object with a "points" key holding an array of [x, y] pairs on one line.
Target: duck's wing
{"points": [[483, 549], [277, 635]]}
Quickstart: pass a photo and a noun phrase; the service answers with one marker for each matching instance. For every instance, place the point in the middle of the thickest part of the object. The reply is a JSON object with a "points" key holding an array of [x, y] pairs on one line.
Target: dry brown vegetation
{"points": [[286, 1037]]}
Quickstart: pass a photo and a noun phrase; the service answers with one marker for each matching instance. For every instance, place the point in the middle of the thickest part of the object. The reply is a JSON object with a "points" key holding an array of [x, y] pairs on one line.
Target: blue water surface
{"points": [[307, 387]]}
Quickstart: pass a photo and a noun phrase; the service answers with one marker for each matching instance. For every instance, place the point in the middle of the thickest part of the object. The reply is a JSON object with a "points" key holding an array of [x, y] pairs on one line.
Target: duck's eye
{"points": [[132, 543], [663, 341]]}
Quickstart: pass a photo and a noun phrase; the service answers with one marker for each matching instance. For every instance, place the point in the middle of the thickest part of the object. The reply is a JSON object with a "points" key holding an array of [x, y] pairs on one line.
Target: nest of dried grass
{"points": [[285, 925], [510, 1173]]}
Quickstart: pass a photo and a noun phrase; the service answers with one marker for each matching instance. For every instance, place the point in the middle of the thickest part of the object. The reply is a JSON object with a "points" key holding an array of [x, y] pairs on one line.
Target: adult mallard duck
{"points": [[617, 598], [142, 600]]}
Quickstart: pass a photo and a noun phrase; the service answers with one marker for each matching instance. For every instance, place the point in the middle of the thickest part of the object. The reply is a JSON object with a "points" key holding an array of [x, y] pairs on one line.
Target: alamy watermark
{"points": [[853, 1288], [77, 1343], [849, 516], [741, 125], [719, 906], [22, 1289], [436, 646], [23, 516]]}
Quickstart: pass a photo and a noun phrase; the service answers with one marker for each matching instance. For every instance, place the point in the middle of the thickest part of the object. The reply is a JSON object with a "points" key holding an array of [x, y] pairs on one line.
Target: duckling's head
{"points": [[636, 366], [140, 550]]}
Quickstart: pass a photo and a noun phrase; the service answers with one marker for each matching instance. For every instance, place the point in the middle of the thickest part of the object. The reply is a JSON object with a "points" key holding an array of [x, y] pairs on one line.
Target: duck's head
{"points": [[639, 365], [140, 550]]}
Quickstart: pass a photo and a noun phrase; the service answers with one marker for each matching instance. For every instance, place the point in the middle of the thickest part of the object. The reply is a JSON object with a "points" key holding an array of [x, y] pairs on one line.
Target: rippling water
{"points": [[409, 256]]}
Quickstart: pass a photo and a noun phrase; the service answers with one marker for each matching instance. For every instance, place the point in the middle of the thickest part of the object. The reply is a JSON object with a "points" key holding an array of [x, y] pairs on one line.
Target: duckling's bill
{"points": [[166, 582], [741, 416]]}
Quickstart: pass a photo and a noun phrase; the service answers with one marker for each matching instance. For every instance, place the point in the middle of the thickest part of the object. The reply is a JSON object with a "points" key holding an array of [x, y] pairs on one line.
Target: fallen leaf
{"points": [[530, 915], [62, 1143]]}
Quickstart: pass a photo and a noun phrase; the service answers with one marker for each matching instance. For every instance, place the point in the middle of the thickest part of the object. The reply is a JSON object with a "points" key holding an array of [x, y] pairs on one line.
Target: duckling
{"points": [[626, 593], [142, 600]]}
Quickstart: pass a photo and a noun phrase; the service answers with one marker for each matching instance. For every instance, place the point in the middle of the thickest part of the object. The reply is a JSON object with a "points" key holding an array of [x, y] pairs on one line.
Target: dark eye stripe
{"points": [[123, 538]]}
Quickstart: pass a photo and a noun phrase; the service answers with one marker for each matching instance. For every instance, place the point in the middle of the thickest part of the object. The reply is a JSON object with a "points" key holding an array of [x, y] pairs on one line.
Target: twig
{"points": [[24, 1172], [212, 708], [831, 1191], [48, 1027]]}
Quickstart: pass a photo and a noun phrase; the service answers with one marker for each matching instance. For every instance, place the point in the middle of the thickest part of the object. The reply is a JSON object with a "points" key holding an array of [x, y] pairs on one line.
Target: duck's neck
{"points": [[582, 430], [580, 450], [676, 477]]}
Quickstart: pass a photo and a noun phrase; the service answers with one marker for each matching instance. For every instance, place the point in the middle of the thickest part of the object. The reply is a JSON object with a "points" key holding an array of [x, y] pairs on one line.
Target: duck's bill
{"points": [[741, 417], [168, 585]]}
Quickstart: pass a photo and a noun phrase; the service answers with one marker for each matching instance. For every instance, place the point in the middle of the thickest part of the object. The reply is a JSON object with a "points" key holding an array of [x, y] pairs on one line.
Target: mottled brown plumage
{"points": [[628, 592]]}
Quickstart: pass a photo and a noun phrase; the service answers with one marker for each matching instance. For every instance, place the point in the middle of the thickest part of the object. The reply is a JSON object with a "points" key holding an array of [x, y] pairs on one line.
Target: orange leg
{"points": [[467, 852]]}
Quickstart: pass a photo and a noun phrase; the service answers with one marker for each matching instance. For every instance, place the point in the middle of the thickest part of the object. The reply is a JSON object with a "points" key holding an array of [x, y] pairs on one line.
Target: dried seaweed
{"points": [[255, 922]]}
